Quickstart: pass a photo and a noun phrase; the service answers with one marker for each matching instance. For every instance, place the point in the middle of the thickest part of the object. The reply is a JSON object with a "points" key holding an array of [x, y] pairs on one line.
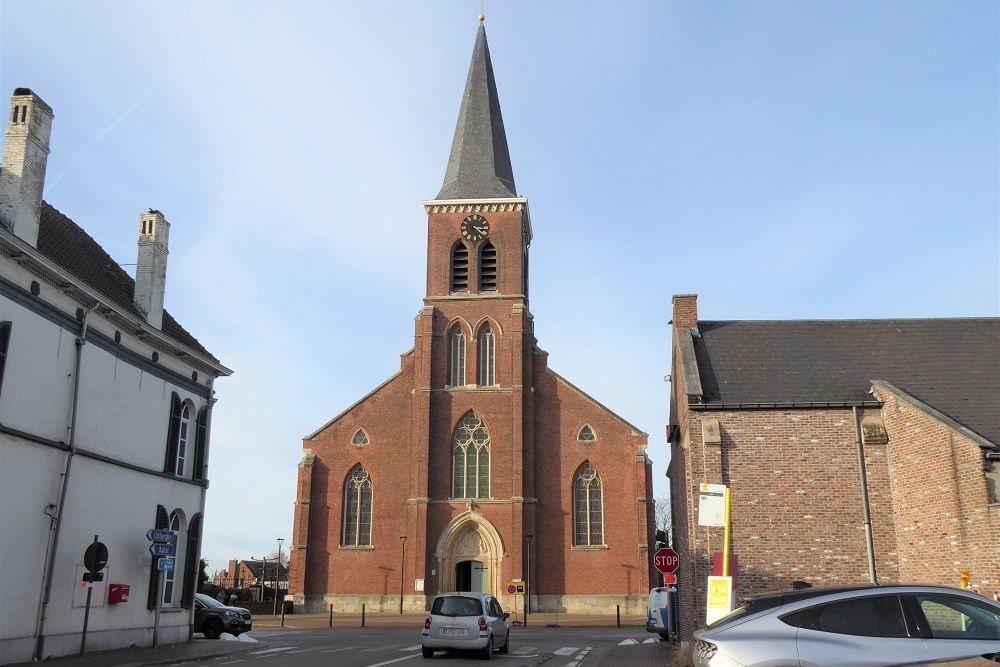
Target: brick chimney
{"points": [[151, 269], [25, 155], [686, 311]]}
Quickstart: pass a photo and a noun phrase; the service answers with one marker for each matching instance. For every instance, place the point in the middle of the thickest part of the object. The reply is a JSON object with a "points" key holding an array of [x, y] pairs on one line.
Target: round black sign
{"points": [[96, 557]]}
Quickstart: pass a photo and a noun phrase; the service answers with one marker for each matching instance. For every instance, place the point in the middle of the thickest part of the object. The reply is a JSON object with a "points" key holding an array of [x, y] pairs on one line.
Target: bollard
{"points": [[618, 614], [282, 614], [331, 615], [362, 616]]}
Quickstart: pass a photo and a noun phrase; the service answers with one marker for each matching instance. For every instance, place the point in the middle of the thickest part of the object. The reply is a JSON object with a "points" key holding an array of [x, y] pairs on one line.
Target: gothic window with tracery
{"points": [[587, 434], [487, 357], [588, 507], [457, 370], [471, 458], [357, 508]]}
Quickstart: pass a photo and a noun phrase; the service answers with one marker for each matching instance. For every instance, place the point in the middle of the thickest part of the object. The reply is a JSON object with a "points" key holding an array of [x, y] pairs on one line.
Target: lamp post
{"points": [[527, 583], [277, 569], [402, 564]]}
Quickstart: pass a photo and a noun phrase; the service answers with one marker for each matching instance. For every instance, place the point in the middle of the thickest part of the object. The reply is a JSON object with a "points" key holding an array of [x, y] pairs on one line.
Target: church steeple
{"points": [[479, 164]]}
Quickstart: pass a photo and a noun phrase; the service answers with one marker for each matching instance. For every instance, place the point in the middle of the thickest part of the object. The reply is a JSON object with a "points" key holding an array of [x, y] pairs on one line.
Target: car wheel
{"points": [[428, 652], [488, 649], [212, 628], [506, 643]]}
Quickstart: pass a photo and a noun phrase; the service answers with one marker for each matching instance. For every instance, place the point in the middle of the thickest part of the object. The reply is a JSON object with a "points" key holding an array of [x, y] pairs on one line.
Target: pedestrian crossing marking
{"points": [[567, 650]]}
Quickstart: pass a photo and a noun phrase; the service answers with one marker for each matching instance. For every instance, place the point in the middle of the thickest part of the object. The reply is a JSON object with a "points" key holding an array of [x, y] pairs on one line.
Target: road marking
{"points": [[389, 662], [626, 642], [567, 650], [272, 650], [342, 648], [580, 658], [412, 648], [306, 650], [524, 649]]}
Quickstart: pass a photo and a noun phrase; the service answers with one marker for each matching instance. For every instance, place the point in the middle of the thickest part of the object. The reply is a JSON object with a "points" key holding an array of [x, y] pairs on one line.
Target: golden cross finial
{"points": [[482, 16]]}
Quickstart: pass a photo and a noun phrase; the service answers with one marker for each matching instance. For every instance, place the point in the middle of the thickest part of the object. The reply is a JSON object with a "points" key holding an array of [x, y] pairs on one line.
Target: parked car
{"points": [[466, 621], [863, 626], [213, 618]]}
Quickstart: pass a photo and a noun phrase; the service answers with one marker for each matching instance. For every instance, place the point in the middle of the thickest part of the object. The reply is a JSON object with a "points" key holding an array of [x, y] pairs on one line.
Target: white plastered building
{"points": [[105, 413]]}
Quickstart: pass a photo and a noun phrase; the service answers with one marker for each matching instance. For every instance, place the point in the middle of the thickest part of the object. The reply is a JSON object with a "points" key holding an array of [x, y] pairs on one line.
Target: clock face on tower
{"points": [[475, 228]]}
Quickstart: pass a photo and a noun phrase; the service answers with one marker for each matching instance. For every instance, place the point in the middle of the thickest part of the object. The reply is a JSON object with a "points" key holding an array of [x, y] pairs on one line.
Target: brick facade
{"points": [[797, 492]]}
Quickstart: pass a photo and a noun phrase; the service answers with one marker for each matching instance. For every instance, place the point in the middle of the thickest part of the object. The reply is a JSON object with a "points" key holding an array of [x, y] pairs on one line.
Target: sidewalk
{"points": [[205, 649]]}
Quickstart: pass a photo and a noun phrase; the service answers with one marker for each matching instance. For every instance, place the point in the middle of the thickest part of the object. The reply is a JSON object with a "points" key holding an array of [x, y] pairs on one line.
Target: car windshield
{"points": [[209, 602], [455, 605]]}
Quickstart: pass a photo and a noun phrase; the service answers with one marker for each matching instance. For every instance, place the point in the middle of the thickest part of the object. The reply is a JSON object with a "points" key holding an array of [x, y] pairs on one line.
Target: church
{"points": [[475, 467]]}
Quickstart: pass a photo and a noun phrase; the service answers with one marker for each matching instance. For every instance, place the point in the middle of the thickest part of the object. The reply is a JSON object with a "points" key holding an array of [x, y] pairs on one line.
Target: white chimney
{"points": [[24, 158], [151, 270]]}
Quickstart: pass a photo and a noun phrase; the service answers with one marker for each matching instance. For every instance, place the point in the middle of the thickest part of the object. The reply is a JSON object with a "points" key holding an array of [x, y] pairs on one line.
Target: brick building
{"points": [[475, 464], [782, 412]]}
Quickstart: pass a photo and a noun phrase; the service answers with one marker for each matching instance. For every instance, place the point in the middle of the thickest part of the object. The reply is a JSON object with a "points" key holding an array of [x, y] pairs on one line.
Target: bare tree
{"points": [[663, 518]]}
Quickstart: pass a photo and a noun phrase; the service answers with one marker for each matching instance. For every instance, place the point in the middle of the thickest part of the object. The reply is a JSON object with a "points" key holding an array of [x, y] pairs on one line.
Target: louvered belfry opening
{"points": [[488, 268], [460, 269]]}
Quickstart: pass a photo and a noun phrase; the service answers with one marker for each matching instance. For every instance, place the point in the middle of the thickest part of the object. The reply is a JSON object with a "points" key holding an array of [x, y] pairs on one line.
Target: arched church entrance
{"points": [[470, 553]]}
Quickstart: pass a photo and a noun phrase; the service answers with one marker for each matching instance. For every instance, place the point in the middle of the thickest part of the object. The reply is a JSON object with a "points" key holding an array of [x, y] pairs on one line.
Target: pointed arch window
{"points": [[487, 357], [162, 522], [588, 507], [456, 376], [178, 435], [471, 459], [357, 508], [488, 268], [169, 576], [360, 438], [460, 268], [587, 434]]}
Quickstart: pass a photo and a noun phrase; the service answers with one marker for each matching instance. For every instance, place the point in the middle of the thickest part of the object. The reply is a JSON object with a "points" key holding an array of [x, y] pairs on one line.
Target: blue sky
{"points": [[781, 159]]}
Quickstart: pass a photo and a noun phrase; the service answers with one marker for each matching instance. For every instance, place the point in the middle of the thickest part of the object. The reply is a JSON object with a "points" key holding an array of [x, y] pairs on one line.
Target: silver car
{"points": [[466, 621], [865, 626]]}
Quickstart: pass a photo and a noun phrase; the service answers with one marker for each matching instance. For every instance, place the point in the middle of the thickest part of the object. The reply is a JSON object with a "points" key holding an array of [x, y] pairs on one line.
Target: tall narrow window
{"points": [[183, 434], [4, 342], [471, 459], [460, 268], [488, 268], [457, 375], [588, 507], [357, 508], [170, 575], [162, 522], [487, 355]]}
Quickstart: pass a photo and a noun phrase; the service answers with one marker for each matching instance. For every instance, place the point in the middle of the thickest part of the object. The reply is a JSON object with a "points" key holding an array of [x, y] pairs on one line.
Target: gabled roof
{"points": [[66, 243], [952, 365], [479, 164]]}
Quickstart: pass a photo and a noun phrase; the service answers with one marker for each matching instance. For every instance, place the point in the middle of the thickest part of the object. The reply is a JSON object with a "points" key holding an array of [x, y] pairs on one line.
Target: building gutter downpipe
{"points": [[56, 524], [866, 509], [204, 493]]}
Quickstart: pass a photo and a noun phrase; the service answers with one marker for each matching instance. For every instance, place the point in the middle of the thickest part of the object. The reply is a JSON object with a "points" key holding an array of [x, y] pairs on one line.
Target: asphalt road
{"points": [[380, 647]]}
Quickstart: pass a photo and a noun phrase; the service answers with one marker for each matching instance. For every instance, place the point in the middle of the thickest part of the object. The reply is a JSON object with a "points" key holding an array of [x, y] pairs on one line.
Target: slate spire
{"points": [[479, 164]]}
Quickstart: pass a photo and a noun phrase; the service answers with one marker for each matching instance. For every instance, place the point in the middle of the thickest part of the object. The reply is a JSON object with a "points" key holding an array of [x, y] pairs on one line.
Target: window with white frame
{"points": [[169, 576]]}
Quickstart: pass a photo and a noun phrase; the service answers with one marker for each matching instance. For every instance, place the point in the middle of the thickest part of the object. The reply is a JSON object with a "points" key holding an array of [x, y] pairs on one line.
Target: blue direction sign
{"points": [[156, 535], [161, 549], [165, 564]]}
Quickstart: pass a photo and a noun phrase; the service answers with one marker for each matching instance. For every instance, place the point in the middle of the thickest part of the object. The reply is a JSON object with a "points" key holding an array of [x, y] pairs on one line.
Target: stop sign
{"points": [[666, 561]]}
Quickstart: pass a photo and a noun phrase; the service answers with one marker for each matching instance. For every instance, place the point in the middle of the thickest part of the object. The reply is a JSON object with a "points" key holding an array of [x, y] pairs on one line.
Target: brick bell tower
{"points": [[473, 355]]}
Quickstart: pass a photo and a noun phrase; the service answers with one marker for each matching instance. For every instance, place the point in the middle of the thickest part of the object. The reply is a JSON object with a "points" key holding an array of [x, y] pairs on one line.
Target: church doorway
{"points": [[472, 576]]}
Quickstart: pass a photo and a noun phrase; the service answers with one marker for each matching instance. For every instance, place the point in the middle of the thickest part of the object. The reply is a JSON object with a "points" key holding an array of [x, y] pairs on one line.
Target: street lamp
{"points": [[402, 564], [277, 569], [527, 583]]}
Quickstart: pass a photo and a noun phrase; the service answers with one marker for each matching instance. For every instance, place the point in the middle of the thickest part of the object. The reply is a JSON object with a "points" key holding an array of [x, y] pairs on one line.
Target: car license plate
{"points": [[453, 631]]}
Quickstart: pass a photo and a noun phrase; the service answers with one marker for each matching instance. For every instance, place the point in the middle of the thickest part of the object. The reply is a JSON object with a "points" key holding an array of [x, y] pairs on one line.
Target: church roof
{"points": [[951, 365], [479, 164]]}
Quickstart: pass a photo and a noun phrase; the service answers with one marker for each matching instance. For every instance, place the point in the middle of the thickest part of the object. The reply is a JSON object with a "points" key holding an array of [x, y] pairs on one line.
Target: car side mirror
{"points": [[506, 616]]}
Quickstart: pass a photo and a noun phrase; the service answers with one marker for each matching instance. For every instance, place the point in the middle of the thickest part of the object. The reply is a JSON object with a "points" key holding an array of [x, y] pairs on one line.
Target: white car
{"points": [[863, 626], [466, 621]]}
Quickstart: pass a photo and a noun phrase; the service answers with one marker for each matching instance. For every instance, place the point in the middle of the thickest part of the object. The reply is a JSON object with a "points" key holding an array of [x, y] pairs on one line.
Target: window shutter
{"points": [[176, 405], [4, 342], [191, 569], [200, 443], [162, 523]]}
